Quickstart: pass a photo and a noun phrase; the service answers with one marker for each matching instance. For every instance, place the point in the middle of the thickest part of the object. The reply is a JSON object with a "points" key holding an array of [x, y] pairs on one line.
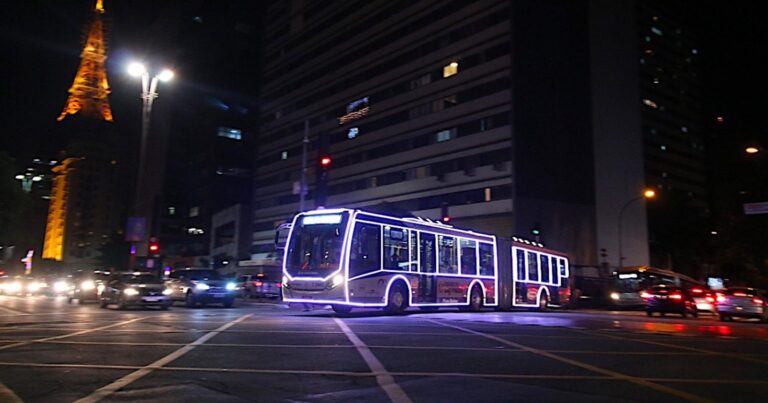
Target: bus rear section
{"points": [[541, 277]]}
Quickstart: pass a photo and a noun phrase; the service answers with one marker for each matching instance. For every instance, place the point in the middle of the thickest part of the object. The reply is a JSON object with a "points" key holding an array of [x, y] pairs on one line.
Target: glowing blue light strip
{"points": [[321, 219]]}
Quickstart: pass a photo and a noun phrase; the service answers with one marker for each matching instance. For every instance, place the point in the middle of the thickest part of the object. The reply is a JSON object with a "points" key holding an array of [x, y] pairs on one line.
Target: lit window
{"points": [[445, 135], [656, 31], [171, 210], [194, 211], [284, 155], [663, 148], [647, 38], [487, 194], [642, 60], [450, 69], [353, 132], [663, 174], [650, 103], [695, 51], [230, 133], [684, 129]]}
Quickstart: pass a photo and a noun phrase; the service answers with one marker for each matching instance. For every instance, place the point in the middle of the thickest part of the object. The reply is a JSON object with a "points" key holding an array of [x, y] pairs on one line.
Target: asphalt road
{"points": [[54, 352]]}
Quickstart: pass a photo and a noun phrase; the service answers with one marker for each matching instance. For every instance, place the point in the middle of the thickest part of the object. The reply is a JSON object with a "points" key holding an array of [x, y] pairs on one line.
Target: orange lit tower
{"points": [[89, 91]]}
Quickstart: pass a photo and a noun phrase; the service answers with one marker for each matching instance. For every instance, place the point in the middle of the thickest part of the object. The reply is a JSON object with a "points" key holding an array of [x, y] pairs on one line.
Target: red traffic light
{"points": [[154, 247], [325, 162]]}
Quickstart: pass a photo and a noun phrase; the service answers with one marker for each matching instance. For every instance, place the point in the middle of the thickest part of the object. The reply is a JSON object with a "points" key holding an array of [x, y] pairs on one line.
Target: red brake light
{"points": [[697, 290], [739, 294], [676, 296], [721, 298], [757, 300], [709, 299], [257, 283]]}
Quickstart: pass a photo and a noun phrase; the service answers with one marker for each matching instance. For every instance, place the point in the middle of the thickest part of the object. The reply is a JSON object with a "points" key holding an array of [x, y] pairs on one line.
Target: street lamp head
{"points": [[136, 69], [649, 193], [751, 150], [19, 177], [165, 75]]}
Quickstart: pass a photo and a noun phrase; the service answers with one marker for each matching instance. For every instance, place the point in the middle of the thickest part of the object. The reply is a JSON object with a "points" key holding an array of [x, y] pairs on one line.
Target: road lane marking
{"points": [[675, 346], [27, 342], [8, 396], [113, 387], [618, 375], [385, 380]]}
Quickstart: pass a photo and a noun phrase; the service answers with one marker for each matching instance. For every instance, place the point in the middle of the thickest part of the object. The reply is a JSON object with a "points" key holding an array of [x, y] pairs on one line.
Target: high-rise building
{"points": [[85, 212], [674, 133], [512, 115]]}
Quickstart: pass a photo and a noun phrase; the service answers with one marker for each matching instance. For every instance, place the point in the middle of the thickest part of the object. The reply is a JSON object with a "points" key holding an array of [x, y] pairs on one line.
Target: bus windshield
{"points": [[314, 249]]}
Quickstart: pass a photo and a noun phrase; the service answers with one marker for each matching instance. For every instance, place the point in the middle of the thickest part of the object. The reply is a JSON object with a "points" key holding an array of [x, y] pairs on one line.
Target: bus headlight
{"points": [[131, 292], [338, 279], [615, 296]]}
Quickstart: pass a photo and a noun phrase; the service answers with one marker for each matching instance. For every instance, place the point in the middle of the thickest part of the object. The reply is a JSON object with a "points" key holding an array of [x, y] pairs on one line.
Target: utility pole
{"points": [[303, 182]]}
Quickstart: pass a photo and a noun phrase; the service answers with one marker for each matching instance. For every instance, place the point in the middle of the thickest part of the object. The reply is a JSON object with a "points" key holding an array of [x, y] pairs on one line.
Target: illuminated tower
{"points": [[84, 210], [89, 91]]}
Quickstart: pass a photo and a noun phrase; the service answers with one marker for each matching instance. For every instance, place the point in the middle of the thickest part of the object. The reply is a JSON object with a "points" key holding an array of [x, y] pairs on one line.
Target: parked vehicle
{"points": [[742, 302], [669, 299], [201, 286], [134, 289]]}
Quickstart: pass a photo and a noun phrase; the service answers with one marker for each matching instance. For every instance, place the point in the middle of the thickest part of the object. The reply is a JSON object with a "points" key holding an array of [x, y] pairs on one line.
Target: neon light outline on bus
{"points": [[562, 272], [437, 230]]}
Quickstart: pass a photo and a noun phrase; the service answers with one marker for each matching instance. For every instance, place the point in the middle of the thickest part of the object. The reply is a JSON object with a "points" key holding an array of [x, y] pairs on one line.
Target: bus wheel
{"points": [[396, 300], [475, 299], [341, 309], [543, 302]]}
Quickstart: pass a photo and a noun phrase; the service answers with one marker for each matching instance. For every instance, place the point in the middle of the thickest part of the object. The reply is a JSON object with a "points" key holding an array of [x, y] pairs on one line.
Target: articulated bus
{"points": [[350, 258]]}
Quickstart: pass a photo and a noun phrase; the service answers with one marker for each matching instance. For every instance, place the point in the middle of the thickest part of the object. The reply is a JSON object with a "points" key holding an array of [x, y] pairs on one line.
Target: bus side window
{"points": [[366, 248], [395, 248], [533, 267], [520, 265], [448, 255], [487, 260], [544, 264], [563, 270], [553, 269], [468, 251], [427, 252]]}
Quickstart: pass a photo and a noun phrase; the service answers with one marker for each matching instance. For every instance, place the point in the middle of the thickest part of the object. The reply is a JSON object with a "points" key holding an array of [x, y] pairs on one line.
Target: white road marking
{"points": [[639, 381], [385, 379], [26, 342], [107, 390]]}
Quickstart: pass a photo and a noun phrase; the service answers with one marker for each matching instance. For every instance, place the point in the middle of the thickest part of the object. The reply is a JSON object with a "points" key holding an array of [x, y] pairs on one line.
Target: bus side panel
{"points": [[452, 290], [504, 272], [369, 290], [490, 291]]}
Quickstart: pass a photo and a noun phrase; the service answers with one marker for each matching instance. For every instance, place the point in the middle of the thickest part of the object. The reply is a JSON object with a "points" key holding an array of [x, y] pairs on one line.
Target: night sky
{"points": [[42, 41]]}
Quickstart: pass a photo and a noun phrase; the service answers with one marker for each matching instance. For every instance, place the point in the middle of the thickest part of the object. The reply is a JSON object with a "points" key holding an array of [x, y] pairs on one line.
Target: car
{"points": [[260, 285], [201, 286], [742, 302], [669, 299], [134, 289], [85, 286], [705, 299], [21, 286]]}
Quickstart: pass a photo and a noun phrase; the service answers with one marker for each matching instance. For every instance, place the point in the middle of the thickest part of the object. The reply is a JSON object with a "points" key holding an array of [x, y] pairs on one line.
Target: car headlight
{"points": [[60, 286], [202, 286], [100, 288], [615, 296], [131, 291], [338, 279], [231, 286], [87, 285], [33, 286], [167, 291], [14, 287]]}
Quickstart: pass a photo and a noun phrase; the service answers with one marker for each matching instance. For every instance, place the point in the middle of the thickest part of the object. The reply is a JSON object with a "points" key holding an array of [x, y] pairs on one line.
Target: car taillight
{"points": [[721, 298], [739, 294], [257, 283], [757, 300], [279, 285], [697, 290], [645, 295], [676, 296], [709, 299]]}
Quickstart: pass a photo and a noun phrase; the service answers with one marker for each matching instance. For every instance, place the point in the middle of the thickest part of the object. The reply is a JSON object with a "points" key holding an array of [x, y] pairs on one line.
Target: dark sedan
{"points": [[134, 289], [669, 299]]}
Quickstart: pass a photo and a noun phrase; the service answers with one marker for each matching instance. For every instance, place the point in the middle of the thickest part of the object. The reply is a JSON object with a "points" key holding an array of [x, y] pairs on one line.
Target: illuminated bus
{"points": [[351, 258], [630, 282]]}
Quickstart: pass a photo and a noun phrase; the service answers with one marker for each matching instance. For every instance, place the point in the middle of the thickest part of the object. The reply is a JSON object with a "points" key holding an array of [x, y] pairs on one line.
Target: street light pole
{"points": [[148, 95], [647, 195]]}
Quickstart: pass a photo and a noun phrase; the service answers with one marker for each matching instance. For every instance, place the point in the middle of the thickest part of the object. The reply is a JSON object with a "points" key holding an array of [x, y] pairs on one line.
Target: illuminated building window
{"points": [[487, 194], [656, 31], [445, 135], [684, 129], [353, 132], [664, 175], [647, 38], [663, 148], [284, 155], [650, 103], [230, 133], [655, 80], [450, 69], [194, 211], [171, 210], [695, 51]]}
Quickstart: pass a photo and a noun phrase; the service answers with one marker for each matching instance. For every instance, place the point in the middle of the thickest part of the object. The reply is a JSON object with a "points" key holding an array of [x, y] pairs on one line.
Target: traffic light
{"points": [[444, 216], [535, 231], [154, 248]]}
